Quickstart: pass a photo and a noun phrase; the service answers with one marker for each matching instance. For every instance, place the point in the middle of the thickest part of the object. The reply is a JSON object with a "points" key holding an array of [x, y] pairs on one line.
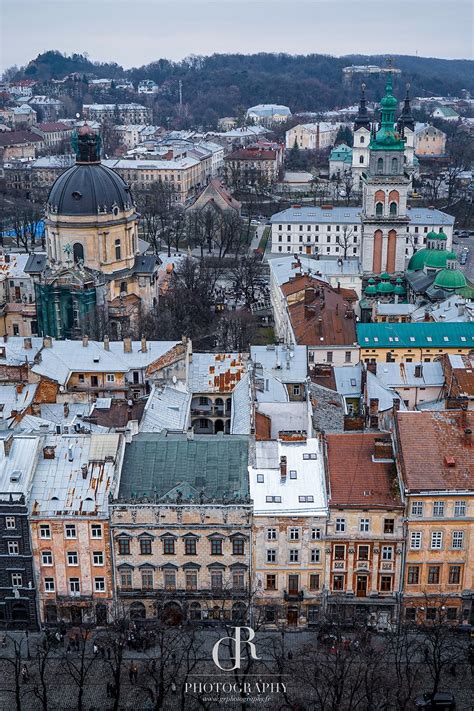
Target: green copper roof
{"points": [[371, 289], [399, 287], [450, 279], [385, 287], [425, 334], [434, 258], [387, 137]]}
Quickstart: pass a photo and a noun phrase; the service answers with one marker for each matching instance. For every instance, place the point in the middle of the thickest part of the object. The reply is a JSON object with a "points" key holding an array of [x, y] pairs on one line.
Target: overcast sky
{"points": [[135, 32]]}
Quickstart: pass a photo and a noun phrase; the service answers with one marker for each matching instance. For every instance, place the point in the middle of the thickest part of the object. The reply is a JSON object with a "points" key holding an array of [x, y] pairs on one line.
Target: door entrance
{"points": [[292, 616], [361, 585]]}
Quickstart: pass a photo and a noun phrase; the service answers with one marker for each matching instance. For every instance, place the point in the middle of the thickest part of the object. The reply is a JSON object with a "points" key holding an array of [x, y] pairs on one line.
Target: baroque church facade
{"points": [[94, 280]]}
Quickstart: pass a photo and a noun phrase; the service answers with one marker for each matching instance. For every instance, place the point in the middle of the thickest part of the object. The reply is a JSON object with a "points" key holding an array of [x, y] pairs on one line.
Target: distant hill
{"points": [[223, 84]]}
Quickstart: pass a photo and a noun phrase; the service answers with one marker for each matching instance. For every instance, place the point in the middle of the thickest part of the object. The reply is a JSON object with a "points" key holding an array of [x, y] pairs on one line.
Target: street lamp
{"points": [[27, 635]]}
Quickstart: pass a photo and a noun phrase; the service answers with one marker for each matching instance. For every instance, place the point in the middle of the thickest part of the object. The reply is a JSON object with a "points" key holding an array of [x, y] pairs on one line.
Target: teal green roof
{"points": [[371, 289], [434, 258], [450, 279], [158, 465], [400, 288], [341, 152], [415, 335], [385, 287], [385, 275]]}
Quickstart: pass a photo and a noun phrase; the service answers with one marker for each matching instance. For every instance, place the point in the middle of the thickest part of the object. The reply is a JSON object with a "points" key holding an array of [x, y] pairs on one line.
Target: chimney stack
{"points": [[84, 471], [27, 344], [48, 452], [7, 444], [106, 343], [70, 452], [85, 341], [66, 409], [468, 437], [283, 467], [382, 448], [419, 370], [144, 346], [127, 345]]}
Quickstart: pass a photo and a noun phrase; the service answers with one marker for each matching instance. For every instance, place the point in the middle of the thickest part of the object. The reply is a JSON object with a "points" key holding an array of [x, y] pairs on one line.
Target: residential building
{"points": [[289, 365], [238, 136], [47, 109], [19, 144], [345, 273], [118, 113], [184, 174], [181, 528], [69, 519], [268, 114], [436, 474], [340, 161], [17, 297], [446, 113], [288, 488], [54, 134], [415, 383], [458, 373], [217, 197], [147, 86], [18, 588], [312, 136], [430, 141], [247, 166], [364, 540], [413, 342], [23, 117]]}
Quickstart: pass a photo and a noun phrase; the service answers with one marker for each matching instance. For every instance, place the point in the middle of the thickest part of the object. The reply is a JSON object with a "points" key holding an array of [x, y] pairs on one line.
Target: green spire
{"points": [[387, 137]]}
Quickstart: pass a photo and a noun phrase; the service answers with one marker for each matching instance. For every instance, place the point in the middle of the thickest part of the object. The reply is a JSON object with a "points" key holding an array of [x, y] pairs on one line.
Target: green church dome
{"points": [[399, 288], [385, 287], [450, 279], [371, 287], [437, 258]]}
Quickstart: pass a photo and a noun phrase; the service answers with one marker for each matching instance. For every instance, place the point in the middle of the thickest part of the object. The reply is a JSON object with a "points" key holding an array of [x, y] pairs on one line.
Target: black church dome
{"points": [[89, 189]]}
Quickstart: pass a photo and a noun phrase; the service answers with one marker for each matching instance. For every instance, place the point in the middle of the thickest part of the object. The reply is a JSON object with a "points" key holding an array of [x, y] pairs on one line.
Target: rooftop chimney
{"points": [[106, 343], [48, 452], [66, 409], [283, 467], [27, 344], [7, 444], [85, 341], [47, 342], [144, 346], [468, 437], [127, 345], [84, 471], [70, 452], [309, 294], [382, 449]]}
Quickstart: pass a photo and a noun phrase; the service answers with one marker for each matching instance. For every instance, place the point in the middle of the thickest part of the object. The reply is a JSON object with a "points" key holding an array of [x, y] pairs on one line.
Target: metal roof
{"points": [[352, 215], [160, 465], [167, 408], [282, 268], [288, 364], [348, 380], [18, 455], [415, 335], [376, 390], [241, 408], [215, 372], [405, 374]]}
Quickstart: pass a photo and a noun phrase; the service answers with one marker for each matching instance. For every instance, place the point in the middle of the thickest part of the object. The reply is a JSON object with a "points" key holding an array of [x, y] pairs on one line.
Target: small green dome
{"points": [[389, 102], [437, 258], [450, 279], [399, 288], [442, 235], [385, 275], [417, 260], [385, 287], [371, 287], [432, 235]]}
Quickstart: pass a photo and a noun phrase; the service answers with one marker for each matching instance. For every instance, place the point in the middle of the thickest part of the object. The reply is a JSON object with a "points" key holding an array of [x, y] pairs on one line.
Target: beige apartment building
{"points": [[312, 136]]}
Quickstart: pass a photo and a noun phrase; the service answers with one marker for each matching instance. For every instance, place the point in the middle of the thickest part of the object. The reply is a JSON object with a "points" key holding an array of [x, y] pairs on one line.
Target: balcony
{"points": [[74, 598], [218, 593], [293, 595]]}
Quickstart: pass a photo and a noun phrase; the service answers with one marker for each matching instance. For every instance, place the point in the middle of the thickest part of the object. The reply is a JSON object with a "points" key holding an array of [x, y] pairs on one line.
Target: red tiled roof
{"points": [[428, 441], [54, 126], [355, 479], [13, 138], [251, 154], [323, 323]]}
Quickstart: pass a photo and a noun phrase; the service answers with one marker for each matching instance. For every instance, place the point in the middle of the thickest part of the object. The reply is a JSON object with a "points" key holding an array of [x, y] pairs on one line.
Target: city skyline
{"points": [[174, 30]]}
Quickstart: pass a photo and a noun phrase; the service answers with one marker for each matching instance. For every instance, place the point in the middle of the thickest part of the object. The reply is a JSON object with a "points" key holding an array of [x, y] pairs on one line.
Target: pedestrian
{"points": [[130, 672], [25, 675], [426, 653], [452, 669], [95, 649], [135, 673], [109, 690]]}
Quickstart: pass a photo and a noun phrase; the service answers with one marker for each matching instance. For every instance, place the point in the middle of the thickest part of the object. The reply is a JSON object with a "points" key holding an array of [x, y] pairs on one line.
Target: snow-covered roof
{"points": [[288, 364], [167, 408]]}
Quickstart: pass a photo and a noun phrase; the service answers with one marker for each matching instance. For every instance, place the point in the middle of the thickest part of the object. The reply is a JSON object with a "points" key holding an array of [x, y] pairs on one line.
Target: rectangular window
{"points": [[72, 558], [294, 555], [126, 579], [315, 555], [363, 552], [438, 508], [387, 552], [415, 540], [436, 540], [74, 585], [348, 357], [410, 614], [452, 614], [388, 525], [216, 546], [338, 583], [124, 546], [216, 580], [45, 531], [431, 613], [13, 547], [364, 525], [339, 552], [99, 584], [433, 575], [238, 580], [49, 585], [314, 581], [271, 534], [169, 578], [271, 582], [293, 474], [70, 529], [340, 525], [110, 377], [294, 534], [417, 508], [460, 508], [238, 546], [46, 558], [271, 555], [168, 546], [98, 558], [17, 580], [458, 539], [315, 534], [190, 546], [385, 583], [96, 530], [454, 576], [10, 522], [145, 545], [147, 579], [191, 580], [413, 575], [329, 357]]}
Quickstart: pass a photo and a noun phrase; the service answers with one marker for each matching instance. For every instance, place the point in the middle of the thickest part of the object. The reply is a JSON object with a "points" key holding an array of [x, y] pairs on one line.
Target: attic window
{"points": [[445, 338], [76, 195], [376, 339], [15, 476], [449, 461], [353, 382], [428, 338], [463, 338], [96, 360], [412, 338]]}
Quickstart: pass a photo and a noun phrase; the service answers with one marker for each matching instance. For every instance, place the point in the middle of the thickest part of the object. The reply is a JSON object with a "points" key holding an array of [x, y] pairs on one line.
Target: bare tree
{"points": [[345, 240], [80, 666], [248, 278]]}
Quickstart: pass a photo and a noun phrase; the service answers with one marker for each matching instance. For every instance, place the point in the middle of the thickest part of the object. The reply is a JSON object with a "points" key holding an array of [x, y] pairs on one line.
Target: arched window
{"points": [[380, 166], [118, 249], [393, 208], [361, 159], [379, 209], [362, 139], [394, 165], [78, 252]]}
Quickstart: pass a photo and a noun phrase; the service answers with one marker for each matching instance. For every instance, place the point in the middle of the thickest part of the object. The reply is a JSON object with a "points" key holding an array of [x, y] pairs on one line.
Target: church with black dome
{"points": [[95, 274]]}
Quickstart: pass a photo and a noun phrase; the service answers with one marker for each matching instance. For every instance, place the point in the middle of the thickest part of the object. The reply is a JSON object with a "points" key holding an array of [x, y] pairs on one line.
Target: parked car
{"points": [[441, 701], [463, 259], [463, 234]]}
